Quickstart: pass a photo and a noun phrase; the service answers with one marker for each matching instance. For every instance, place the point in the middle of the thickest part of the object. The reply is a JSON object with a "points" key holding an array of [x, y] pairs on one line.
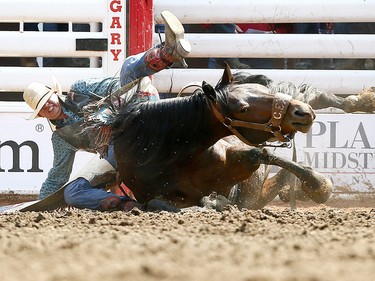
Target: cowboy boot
{"points": [[174, 49], [175, 45]]}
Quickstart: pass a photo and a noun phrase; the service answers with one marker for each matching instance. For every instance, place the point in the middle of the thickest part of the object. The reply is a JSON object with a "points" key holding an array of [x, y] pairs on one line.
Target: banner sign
{"points": [[26, 153], [342, 147]]}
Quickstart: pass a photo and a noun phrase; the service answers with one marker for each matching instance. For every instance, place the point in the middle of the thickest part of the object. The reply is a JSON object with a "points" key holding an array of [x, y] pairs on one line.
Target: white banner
{"points": [[342, 147], [26, 153]]}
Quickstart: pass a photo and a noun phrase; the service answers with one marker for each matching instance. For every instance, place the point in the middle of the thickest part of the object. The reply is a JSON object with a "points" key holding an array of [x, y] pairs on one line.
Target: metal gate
{"points": [[341, 46], [102, 43]]}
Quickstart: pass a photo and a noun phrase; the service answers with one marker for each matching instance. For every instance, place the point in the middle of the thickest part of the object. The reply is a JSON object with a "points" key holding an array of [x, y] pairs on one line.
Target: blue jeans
{"points": [[80, 193], [134, 67]]}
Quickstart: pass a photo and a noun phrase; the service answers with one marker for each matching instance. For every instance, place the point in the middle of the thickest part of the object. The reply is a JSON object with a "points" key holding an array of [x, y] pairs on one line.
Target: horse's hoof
{"points": [[317, 187]]}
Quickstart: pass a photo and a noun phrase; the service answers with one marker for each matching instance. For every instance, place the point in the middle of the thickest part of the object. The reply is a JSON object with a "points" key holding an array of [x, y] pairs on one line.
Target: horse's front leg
{"points": [[314, 184], [258, 191]]}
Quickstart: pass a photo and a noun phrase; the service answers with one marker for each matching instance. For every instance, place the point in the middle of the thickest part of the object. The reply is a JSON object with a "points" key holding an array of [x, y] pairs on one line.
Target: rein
{"points": [[279, 107]]}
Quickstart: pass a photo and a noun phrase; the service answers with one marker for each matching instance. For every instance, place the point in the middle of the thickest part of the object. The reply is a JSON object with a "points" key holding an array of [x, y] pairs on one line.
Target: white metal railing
{"points": [[342, 46], [282, 45], [203, 45], [54, 11], [47, 44], [109, 14], [341, 82], [18, 78], [267, 11]]}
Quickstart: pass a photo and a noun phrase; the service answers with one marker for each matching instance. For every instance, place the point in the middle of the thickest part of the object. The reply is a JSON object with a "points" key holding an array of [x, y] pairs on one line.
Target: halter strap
{"points": [[195, 84], [279, 107]]}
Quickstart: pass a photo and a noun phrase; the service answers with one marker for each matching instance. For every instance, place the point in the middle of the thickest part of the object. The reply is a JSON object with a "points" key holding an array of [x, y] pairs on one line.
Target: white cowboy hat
{"points": [[37, 94]]}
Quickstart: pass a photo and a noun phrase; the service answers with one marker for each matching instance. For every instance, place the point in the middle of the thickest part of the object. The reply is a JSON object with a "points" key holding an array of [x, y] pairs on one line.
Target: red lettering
{"points": [[115, 6], [115, 38], [115, 54], [116, 22]]}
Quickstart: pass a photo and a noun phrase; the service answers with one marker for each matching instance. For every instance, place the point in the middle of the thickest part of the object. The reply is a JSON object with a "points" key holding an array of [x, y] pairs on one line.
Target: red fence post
{"points": [[140, 26]]}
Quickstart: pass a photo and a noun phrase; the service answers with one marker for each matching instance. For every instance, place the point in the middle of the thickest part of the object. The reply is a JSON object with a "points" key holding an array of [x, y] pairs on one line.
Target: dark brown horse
{"points": [[177, 148]]}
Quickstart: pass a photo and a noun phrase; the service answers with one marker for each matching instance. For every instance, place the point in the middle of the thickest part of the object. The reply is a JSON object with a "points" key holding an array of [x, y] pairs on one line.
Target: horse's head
{"points": [[254, 114]]}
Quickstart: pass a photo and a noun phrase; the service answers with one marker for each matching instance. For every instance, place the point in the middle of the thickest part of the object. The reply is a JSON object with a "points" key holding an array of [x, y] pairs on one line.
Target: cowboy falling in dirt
{"points": [[64, 112]]}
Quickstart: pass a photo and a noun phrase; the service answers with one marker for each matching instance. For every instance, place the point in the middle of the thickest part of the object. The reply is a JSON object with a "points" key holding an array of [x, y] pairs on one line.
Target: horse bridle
{"points": [[279, 107]]}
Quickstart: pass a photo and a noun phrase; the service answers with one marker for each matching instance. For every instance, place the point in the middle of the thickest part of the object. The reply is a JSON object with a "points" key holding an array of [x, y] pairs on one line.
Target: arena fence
{"points": [[339, 46], [89, 32], [105, 45]]}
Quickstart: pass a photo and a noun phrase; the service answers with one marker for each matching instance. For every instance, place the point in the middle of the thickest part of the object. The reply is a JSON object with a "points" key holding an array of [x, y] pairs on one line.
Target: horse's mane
{"points": [[162, 130]]}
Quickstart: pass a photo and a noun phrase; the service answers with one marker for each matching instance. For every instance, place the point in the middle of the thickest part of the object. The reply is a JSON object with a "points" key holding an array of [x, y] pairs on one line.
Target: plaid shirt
{"points": [[64, 153]]}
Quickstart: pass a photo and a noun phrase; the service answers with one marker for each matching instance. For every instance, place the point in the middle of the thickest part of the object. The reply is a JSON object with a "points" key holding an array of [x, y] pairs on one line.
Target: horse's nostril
{"points": [[304, 115], [300, 113]]}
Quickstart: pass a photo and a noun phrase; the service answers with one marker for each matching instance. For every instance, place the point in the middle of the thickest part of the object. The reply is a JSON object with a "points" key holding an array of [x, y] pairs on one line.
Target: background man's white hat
{"points": [[37, 94]]}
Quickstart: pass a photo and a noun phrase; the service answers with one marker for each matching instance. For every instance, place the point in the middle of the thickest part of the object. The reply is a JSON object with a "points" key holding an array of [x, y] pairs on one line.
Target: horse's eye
{"points": [[244, 109]]}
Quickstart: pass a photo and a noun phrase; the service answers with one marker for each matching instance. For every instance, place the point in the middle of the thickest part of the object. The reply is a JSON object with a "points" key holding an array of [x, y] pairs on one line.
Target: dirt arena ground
{"points": [[276, 243]]}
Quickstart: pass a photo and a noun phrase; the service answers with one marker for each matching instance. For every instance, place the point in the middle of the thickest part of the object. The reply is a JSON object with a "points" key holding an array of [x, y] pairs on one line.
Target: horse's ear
{"points": [[209, 91], [227, 77]]}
